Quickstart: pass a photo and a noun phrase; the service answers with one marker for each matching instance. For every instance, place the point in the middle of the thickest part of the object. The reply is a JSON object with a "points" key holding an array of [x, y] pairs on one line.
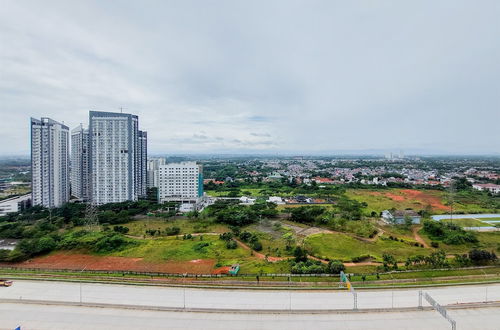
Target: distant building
{"points": [[49, 162], [492, 188], [247, 200], [80, 163], [276, 200], [117, 157], [141, 166], [14, 204], [398, 217], [181, 182], [153, 165]]}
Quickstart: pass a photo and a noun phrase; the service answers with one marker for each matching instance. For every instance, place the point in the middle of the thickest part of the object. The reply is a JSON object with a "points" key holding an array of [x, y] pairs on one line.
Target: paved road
{"points": [[240, 299], [73, 317]]}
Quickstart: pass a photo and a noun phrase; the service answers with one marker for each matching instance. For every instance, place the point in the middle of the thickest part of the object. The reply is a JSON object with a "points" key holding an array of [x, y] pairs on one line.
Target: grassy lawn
{"points": [[344, 247], [187, 226], [398, 231], [384, 199], [487, 240], [467, 222], [171, 248]]}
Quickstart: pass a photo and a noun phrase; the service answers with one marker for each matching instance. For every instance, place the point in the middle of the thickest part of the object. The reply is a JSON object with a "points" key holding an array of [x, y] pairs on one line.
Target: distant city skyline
{"points": [[275, 78]]}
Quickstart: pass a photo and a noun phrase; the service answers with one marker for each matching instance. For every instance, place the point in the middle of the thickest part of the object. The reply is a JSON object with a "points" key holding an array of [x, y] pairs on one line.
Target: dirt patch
{"points": [[425, 198], [221, 270], [396, 198], [418, 238], [78, 261], [411, 195]]}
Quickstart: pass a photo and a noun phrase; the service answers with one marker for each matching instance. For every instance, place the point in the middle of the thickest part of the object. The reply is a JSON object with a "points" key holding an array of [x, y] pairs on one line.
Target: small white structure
{"points": [[276, 200], [247, 200]]}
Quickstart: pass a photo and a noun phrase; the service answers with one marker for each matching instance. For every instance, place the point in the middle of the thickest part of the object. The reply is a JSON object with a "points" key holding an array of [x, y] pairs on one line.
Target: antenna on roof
{"points": [[121, 109]]}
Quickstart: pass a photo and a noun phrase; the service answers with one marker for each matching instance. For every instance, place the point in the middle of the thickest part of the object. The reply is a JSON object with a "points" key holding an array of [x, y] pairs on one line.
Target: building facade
{"points": [[142, 159], [80, 163], [153, 165], [49, 162], [180, 182], [116, 157]]}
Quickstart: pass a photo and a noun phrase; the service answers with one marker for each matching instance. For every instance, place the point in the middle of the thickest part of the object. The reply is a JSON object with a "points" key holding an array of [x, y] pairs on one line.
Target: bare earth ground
{"points": [[423, 197], [77, 261]]}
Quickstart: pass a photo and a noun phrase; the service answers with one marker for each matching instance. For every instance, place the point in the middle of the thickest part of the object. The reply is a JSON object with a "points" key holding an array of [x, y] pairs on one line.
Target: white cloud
{"points": [[282, 75]]}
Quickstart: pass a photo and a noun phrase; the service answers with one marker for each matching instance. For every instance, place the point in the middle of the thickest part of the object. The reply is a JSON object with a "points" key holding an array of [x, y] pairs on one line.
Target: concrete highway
{"points": [[42, 317], [240, 299]]}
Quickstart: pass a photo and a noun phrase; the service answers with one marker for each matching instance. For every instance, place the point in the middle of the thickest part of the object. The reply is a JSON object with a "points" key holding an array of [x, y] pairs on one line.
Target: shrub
{"points": [[335, 267], [172, 231], [200, 247], [434, 244], [257, 246], [121, 229], [231, 244], [481, 257]]}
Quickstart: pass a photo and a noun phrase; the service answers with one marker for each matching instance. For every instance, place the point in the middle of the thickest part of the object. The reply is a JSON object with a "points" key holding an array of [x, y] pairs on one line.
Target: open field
{"points": [[384, 199], [187, 226], [487, 240], [345, 247]]}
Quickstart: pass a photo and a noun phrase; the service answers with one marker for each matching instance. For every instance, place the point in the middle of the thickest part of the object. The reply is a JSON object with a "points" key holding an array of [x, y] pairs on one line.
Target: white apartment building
{"points": [[117, 152], [180, 182], [80, 163], [49, 162], [142, 159], [153, 166]]}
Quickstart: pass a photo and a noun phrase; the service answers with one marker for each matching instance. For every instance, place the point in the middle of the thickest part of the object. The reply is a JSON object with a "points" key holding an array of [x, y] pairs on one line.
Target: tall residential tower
{"points": [[117, 157], [49, 162], [80, 163]]}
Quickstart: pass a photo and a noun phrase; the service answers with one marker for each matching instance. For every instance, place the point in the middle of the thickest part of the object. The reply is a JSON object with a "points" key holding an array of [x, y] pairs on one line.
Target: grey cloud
{"points": [[313, 75]]}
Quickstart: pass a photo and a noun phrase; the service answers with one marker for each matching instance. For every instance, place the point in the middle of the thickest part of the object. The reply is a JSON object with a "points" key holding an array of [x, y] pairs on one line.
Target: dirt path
{"points": [[418, 238]]}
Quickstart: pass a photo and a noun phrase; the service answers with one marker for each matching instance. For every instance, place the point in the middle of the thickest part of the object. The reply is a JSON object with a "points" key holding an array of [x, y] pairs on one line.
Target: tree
{"points": [[289, 239], [481, 257], [300, 254], [335, 267], [408, 221]]}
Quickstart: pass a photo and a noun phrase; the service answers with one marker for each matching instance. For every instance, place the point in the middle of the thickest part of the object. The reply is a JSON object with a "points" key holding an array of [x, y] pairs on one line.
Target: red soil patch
{"points": [[411, 195], [397, 198], [89, 262], [425, 198], [222, 270]]}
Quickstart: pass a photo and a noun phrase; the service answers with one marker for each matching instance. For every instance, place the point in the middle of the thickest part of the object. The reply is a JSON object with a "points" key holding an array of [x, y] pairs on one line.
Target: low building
{"points": [[398, 217], [180, 182], [14, 204], [276, 200], [492, 188], [247, 200]]}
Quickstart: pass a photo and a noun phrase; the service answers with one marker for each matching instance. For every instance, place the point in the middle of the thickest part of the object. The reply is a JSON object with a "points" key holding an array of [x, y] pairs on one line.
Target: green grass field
{"points": [[177, 249], [487, 240], [385, 199], [344, 247], [188, 226]]}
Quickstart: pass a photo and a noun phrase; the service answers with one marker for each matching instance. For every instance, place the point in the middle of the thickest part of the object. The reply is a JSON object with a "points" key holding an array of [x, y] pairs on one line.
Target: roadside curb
{"points": [[245, 311]]}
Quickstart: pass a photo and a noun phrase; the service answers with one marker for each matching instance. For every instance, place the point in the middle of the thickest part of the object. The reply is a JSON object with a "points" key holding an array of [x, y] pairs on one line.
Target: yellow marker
{"points": [[348, 285]]}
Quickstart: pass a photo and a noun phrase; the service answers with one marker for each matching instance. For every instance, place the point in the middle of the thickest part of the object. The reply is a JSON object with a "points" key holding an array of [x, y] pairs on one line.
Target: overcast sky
{"points": [[259, 76]]}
